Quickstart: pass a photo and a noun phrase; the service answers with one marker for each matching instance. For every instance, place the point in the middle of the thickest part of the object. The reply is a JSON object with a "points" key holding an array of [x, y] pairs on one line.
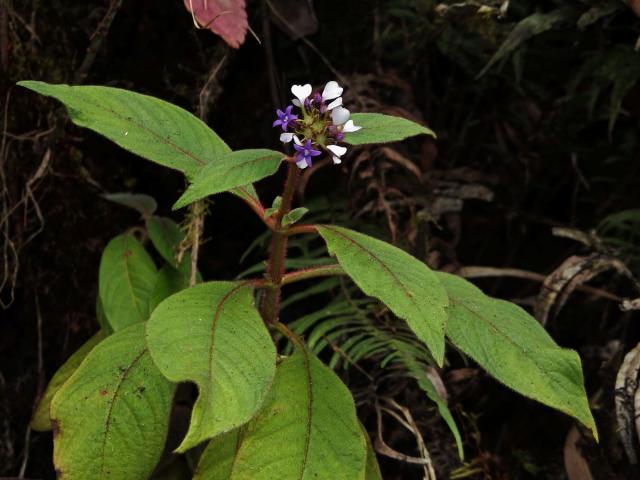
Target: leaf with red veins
{"points": [[227, 18]]}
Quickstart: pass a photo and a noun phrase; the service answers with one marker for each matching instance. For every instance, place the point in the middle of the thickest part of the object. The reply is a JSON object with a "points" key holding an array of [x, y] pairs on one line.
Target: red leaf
{"points": [[227, 18]]}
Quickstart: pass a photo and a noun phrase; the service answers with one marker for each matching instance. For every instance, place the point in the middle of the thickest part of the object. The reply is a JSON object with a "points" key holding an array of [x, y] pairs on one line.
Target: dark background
{"points": [[548, 135]]}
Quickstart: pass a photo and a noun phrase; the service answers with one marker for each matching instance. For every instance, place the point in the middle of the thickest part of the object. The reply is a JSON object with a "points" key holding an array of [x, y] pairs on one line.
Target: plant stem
{"points": [[278, 250]]}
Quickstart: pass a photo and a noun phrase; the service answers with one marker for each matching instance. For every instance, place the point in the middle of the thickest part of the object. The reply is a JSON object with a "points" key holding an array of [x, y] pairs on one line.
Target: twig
{"points": [[96, 41], [268, 49], [483, 272], [206, 93], [4, 36], [198, 209]]}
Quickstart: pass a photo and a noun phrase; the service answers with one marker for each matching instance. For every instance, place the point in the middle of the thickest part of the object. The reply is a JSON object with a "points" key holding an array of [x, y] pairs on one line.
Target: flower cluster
{"points": [[323, 124]]}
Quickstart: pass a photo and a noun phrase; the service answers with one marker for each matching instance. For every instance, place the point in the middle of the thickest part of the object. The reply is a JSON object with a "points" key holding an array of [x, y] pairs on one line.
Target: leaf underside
{"points": [[111, 417], [212, 335]]}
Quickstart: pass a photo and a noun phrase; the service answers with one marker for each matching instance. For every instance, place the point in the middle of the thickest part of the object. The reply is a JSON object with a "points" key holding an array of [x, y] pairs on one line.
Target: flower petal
{"points": [[301, 92], [331, 90], [336, 160], [302, 163], [296, 102], [350, 127], [336, 103], [339, 115], [297, 140], [337, 150], [286, 137]]}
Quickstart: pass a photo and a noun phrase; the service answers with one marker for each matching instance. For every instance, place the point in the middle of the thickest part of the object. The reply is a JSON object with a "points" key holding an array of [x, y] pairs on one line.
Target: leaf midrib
{"points": [[222, 170], [214, 329], [511, 341], [107, 423], [162, 139], [384, 266]]}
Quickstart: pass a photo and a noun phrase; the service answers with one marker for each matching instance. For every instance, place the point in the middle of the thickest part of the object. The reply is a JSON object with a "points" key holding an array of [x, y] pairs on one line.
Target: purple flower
{"points": [[285, 118], [305, 152]]}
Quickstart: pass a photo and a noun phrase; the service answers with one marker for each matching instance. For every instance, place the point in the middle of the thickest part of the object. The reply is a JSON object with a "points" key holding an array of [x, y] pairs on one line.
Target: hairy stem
{"points": [[278, 250]]}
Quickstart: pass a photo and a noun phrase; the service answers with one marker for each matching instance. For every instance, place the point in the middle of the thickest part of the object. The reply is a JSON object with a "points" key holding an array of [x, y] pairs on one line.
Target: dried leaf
{"points": [[227, 18], [627, 397], [573, 272], [397, 157], [575, 464]]}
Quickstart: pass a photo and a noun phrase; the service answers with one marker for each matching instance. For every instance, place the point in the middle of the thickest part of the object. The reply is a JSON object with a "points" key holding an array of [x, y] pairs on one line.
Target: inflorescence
{"points": [[323, 124]]}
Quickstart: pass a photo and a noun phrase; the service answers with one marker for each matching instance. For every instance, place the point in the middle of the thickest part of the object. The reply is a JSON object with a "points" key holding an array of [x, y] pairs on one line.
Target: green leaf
{"points": [[372, 471], [308, 428], [513, 347], [293, 216], [101, 317], [212, 335], [168, 282], [231, 171], [379, 128], [41, 421], [111, 417], [407, 286], [144, 125], [127, 278], [144, 204], [275, 206], [166, 236]]}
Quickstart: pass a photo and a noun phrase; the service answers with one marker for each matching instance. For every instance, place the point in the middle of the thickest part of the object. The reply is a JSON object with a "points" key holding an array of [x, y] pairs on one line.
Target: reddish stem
{"points": [[278, 250]]}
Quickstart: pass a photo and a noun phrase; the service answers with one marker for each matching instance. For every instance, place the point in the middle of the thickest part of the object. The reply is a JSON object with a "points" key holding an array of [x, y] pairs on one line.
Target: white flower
{"points": [[340, 115], [286, 137], [350, 127], [337, 152], [336, 103], [297, 140], [331, 90], [301, 92]]}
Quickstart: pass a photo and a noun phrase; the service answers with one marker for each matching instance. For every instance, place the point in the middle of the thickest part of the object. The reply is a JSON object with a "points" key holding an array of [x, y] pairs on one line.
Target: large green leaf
{"points": [[231, 171], [127, 278], [147, 126], [380, 128], [406, 285], [513, 347], [111, 417], [212, 335], [308, 429], [41, 420]]}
